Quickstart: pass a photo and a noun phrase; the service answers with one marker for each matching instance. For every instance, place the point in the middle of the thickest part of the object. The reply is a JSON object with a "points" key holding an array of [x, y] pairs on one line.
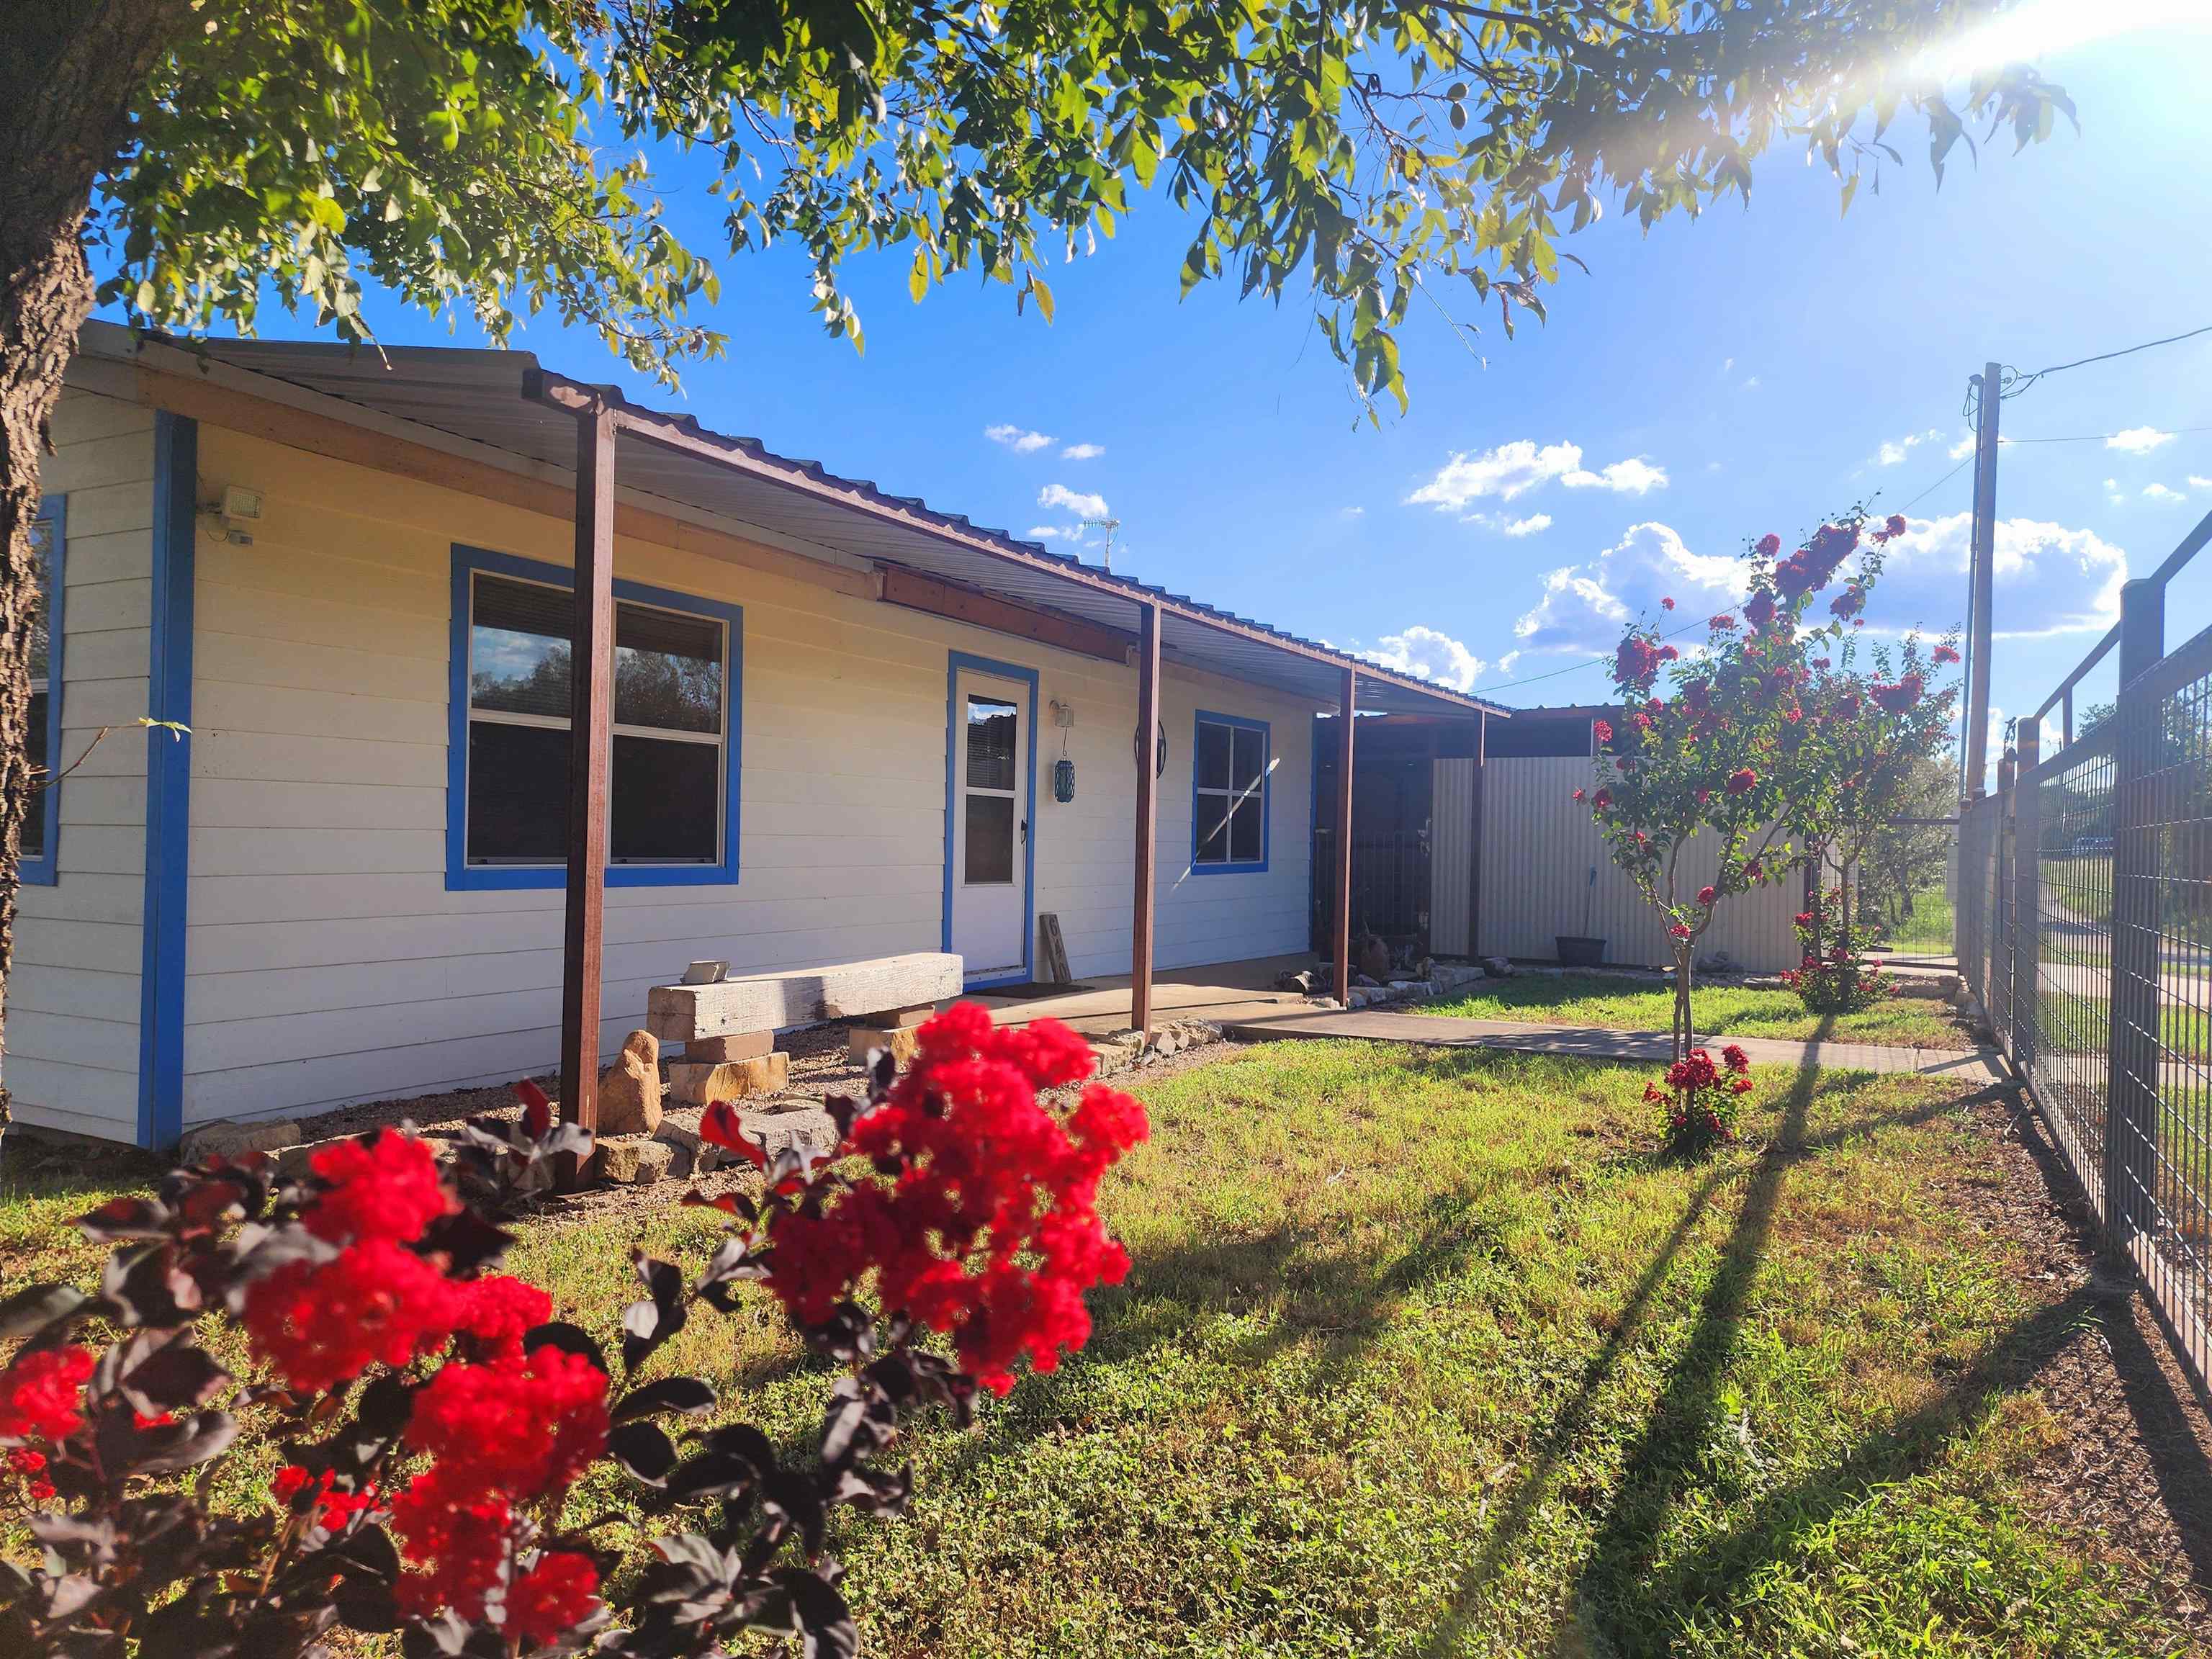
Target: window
{"points": [[674, 771], [43, 735], [1229, 794]]}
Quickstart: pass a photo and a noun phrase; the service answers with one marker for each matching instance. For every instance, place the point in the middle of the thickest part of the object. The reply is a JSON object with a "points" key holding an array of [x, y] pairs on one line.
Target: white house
{"points": [[836, 718]]}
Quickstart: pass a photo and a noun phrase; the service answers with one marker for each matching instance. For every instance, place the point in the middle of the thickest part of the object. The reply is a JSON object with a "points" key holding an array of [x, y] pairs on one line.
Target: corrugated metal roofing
{"points": [[489, 398]]}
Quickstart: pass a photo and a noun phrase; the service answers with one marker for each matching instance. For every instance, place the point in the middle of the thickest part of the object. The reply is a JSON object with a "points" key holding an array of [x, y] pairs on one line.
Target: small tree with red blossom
{"points": [[1873, 717], [433, 1417], [1720, 755]]}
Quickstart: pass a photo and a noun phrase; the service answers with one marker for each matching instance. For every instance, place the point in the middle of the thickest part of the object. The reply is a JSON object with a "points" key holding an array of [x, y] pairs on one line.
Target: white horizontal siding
{"points": [[73, 998], [326, 961], [1539, 846]]}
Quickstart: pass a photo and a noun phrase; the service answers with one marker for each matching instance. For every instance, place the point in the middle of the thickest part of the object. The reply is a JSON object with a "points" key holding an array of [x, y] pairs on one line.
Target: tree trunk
{"points": [[69, 72], [1685, 1036]]}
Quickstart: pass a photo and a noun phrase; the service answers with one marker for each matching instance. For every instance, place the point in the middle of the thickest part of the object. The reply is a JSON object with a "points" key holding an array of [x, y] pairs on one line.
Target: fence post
{"points": [[2131, 1087], [2027, 935], [1999, 1005]]}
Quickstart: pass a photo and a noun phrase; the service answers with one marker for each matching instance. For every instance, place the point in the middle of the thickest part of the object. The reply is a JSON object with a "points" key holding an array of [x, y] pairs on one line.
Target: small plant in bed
{"points": [[1835, 975], [439, 1432], [1699, 1102]]}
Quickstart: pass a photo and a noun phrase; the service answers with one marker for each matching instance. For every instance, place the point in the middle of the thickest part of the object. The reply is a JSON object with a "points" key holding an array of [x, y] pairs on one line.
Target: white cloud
{"points": [[1083, 506], [1055, 532], [2196, 482], [1529, 526], [2159, 492], [1351, 512], [1426, 654], [1633, 476], [1963, 448], [2138, 440], [1583, 606], [1891, 453], [1081, 452], [2049, 579], [1514, 469], [1751, 384], [1727, 363], [1020, 440]]}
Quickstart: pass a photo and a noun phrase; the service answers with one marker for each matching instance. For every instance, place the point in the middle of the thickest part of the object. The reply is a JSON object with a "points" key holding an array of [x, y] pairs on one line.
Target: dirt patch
{"points": [[2128, 1472]]}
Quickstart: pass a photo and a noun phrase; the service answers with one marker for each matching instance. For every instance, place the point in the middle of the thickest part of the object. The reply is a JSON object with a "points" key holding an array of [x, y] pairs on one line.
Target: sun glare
{"points": [[2044, 28]]}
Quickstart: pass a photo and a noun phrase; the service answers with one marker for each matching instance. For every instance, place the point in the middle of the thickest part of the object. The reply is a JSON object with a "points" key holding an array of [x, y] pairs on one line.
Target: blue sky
{"points": [[1705, 384]]}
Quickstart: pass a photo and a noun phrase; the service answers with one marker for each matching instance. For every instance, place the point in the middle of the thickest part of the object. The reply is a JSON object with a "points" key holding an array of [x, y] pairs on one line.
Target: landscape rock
{"points": [[809, 1131], [630, 1090], [903, 1041], [748, 1045], [632, 1160], [1497, 968], [697, 1082], [1302, 982], [1373, 960], [228, 1139]]}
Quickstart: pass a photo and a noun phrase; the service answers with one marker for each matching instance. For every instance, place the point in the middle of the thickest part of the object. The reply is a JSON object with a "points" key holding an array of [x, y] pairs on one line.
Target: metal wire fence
{"points": [[2085, 930]]}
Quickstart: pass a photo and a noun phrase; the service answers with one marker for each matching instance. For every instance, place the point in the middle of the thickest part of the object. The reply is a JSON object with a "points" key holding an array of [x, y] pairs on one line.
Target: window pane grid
{"points": [[1229, 794], [671, 684]]}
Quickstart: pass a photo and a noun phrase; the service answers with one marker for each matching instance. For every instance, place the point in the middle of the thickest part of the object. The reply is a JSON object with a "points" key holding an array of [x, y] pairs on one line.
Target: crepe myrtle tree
{"points": [[1875, 718], [1726, 754], [490, 159], [438, 1430]]}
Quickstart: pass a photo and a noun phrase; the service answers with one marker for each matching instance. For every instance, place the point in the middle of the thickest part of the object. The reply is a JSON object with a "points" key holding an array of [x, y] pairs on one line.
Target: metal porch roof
{"points": [[500, 399]]}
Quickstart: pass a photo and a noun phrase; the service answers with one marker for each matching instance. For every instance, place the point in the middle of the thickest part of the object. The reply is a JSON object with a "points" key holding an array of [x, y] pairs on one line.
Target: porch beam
{"points": [[1148, 816], [591, 697], [916, 591], [1347, 700]]}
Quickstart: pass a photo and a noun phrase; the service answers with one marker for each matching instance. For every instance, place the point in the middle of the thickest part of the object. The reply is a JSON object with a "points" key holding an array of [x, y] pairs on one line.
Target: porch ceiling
{"points": [[505, 400]]}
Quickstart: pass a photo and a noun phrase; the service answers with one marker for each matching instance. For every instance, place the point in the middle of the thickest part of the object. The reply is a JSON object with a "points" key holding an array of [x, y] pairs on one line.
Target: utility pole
{"points": [[1988, 385]]}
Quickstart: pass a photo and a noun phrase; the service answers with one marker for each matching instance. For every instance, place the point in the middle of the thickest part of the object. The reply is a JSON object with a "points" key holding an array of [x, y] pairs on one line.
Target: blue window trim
{"points": [[461, 876], [955, 661], [42, 871], [1248, 866], [168, 787]]}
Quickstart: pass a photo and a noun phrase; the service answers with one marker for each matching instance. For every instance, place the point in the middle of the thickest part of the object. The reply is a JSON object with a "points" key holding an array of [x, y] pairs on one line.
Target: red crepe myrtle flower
{"points": [[1706, 895], [552, 1597], [1945, 654], [497, 1311], [1622, 764], [1741, 1085], [523, 1425], [453, 1537], [1704, 797], [1602, 800], [41, 1393], [1759, 611], [1667, 604], [991, 1233], [1769, 545], [1751, 872], [1734, 1058], [1900, 696], [384, 1188], [1802, 919], [1850, 602], [1741, 779], [1680, 931], [333, 1508], [1722, 622], [1601, 731], [1891, 527], [321, 1324], [1635, 662], [1579, 793]]}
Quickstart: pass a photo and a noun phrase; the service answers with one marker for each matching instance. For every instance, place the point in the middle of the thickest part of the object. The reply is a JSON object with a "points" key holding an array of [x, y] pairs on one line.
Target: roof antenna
{"points": [[1109, 526]]}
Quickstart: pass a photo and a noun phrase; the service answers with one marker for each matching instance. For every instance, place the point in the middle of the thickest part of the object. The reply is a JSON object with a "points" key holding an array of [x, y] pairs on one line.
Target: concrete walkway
{"points": [[1976, 1066]]}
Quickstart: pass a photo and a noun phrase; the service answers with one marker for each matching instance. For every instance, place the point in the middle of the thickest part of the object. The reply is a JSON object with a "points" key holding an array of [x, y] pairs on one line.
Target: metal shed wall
{"points": [[1539, 847]]}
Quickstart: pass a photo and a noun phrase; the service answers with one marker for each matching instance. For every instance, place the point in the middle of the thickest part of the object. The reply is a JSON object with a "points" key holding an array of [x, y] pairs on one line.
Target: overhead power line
{"points": [[2015, 385]]}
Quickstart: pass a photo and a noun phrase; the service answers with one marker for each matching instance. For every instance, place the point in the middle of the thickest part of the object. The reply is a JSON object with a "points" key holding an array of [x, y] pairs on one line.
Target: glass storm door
{"points": [[990, 824]]}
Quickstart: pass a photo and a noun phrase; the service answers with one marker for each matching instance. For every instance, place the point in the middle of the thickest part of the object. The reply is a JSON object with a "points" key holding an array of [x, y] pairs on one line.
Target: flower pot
{"points": [[1577, 951]]}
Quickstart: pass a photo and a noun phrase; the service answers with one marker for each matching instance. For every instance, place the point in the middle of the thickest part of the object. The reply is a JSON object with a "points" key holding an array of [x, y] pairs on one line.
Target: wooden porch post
{"points": [[1148, 816], [590, 695], [1343, 873]]}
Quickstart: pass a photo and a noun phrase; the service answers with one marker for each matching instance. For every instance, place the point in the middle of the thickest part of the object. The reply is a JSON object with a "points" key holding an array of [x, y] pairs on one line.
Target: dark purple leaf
{"points": [[685, 1395]]}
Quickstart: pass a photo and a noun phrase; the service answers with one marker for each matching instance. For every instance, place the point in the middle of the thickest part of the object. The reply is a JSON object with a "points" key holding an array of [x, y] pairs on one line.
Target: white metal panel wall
{"points": [[1451, 856], [1539, 847], [73, 998]]}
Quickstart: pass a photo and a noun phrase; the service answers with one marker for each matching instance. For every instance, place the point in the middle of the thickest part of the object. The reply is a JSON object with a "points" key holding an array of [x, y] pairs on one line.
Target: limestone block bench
{"points": [[728, 1026]]}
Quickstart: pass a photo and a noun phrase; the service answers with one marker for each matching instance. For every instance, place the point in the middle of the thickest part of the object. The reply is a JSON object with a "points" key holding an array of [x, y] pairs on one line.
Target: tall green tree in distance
{"points": [[484, 157]]}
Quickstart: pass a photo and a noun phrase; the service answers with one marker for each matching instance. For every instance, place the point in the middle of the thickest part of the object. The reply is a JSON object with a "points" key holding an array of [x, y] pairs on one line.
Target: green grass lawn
{"points": [[1927, 930], [1425, 1354], [1720, 1010]]}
